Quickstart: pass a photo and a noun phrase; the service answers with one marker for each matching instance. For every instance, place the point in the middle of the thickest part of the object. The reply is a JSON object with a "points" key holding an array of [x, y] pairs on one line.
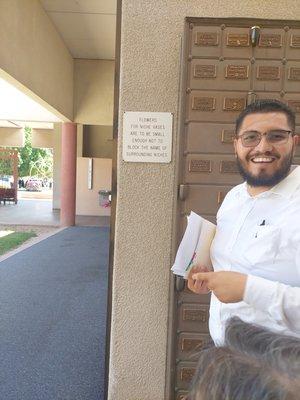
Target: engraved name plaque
{"points": [[200, 166], [238, 40], [204, 103], [268, 73], [294, 74], [191, 344], [205, 71], [186, 374], [270, 40], [195, 315], [206, 39], [295, 41], [295, 105], [237, 72], [228, 167], [234, 104], [227, 136]]}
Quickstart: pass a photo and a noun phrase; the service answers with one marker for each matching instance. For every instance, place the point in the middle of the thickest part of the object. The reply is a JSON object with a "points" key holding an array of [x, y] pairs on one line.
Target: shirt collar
{"points": [[285, 188]]}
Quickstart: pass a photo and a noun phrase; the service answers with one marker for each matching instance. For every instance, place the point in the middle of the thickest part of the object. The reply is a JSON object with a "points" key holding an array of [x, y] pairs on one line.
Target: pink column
{"points": [[68, 174]]}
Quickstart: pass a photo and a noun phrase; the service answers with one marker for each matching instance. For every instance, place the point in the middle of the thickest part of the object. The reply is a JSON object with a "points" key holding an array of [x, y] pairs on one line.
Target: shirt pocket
{"points": [[263, 245]]}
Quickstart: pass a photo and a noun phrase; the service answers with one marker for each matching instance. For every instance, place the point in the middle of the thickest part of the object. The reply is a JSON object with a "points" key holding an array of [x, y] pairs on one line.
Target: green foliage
{"points": [[32, 162], [14, 240]]}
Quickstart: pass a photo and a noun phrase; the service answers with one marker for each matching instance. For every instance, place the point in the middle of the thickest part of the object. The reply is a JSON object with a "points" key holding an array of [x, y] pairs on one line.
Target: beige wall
{"points": [[97, 141], [33, 53], [149, 81], [42, 138], [11, 137], [93, 91], [87, 200]]}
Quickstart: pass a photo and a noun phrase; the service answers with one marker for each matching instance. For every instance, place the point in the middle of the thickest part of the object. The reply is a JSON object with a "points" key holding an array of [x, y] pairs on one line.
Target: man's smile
{"points": [[262, 159]]}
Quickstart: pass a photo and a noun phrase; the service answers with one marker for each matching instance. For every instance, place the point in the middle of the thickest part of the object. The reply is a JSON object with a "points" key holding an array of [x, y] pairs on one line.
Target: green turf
{"points": [[14, 240]]}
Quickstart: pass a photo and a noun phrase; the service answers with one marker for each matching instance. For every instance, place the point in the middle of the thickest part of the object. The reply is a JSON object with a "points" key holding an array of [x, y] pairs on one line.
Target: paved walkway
{"points": [[40, 212], [53, 317]]}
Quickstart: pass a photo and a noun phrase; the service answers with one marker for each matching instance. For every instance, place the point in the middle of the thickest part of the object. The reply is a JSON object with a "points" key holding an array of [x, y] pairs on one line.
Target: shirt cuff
{"points": [[259, 292]]}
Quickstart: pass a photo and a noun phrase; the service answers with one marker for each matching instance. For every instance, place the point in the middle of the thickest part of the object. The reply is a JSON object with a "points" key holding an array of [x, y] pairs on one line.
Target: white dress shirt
{"points": [[260, 236]]}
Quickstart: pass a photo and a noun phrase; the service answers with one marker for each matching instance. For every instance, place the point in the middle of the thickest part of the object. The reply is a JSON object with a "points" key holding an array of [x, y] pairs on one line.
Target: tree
{"points": [[34, 161]]}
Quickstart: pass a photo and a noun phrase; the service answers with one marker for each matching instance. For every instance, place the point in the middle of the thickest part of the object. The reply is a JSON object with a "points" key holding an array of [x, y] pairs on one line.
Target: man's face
{"points": [[266, 164]]}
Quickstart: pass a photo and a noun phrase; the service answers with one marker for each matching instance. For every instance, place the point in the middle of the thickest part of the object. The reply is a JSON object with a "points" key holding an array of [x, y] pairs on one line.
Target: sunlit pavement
{"points": [[36, 209]]}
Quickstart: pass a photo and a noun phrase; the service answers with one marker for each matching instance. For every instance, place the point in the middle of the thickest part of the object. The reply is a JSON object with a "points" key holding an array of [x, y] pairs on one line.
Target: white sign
{"points": [[147, 137], [90, 173]]}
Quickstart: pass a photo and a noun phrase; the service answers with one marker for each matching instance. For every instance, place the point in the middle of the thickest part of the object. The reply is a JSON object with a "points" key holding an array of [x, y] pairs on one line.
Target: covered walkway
{"points": [[53, 317]]}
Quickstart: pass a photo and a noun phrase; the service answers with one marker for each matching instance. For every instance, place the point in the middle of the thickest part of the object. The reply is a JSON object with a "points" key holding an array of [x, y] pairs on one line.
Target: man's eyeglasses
{"points": [[275, 137]]}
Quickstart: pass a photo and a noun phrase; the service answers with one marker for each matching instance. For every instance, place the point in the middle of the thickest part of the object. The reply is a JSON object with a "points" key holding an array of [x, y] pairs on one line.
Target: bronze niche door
{"points": [[226, 65]]}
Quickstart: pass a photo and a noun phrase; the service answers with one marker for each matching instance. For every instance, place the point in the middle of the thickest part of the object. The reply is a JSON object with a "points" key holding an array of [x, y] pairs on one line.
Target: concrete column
{"points": [[68, 174]]}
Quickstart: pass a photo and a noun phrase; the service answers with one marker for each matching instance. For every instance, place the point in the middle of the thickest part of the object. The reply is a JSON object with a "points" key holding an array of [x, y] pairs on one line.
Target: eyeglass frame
{"points": [[290, 134]]}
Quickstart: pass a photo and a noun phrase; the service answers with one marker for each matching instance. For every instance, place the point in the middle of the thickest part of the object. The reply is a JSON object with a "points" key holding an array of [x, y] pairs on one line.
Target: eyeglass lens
{"points": [[252, 138]]}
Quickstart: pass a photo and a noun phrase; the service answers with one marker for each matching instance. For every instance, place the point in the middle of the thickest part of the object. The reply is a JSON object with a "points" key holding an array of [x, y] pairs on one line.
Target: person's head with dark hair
{"points": [[226, 374], [278, 350], [267, 106], [254, 364], [265, 143]]}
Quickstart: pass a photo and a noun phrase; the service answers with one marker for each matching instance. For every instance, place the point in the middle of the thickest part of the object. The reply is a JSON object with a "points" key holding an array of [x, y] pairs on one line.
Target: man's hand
{"points": [[196, 285], [227, 286]]}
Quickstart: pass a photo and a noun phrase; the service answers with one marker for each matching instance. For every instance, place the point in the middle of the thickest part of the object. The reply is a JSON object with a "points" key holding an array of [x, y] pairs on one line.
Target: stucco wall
{"points": [[42, 138], [93, 91], [149, 81], [11, 137], [87, 200], [97, 141], [33, 53]]}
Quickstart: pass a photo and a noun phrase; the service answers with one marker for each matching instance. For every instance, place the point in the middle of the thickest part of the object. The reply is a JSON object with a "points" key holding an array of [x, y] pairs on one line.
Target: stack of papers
{"points": [[194, 248]]}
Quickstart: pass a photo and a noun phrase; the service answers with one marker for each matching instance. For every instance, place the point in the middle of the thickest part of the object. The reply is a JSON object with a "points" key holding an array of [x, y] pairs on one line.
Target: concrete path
{"points": [[53, 318]]}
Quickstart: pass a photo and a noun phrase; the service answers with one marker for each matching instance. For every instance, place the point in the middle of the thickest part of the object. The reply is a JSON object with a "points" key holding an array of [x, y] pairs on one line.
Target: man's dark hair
{"points": [[266, 106]]}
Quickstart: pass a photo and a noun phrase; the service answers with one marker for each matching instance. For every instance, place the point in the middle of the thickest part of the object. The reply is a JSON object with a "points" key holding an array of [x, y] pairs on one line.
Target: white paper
{"points": [[194, 248]]}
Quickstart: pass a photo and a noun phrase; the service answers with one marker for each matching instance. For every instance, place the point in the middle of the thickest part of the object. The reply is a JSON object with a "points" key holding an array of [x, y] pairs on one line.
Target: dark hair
{"points": [[266, 106], [254, 364], [276, 349], [226, 374]]}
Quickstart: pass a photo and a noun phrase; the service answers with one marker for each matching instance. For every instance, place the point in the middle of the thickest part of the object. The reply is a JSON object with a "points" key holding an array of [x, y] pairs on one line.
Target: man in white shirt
{"points": [[256, 252]]}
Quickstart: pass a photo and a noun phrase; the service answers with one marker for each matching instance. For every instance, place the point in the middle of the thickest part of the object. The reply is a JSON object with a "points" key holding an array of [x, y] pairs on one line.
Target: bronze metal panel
{"points": [[270, 44], [236, 43], [227, 106], [201, 103], [193, 317], [205, 41], [295, 105], [209, 137], [228, 167], [234, 104], [237, 71], [238, 39], [211, 73], [268, 76], [293, 44], [270, 40], [205, 199], [292, 76], [185, 371], [190, 343], [215, 175], [197, 165], [202, 70]]}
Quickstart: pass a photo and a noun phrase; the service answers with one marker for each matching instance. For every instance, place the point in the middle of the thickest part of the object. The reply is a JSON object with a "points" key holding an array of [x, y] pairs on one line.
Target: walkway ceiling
{"points": [[87, 28]]}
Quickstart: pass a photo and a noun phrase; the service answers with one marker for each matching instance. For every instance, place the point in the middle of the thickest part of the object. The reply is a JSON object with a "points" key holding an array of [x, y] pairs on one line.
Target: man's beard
{"points": [[265, 179]]}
